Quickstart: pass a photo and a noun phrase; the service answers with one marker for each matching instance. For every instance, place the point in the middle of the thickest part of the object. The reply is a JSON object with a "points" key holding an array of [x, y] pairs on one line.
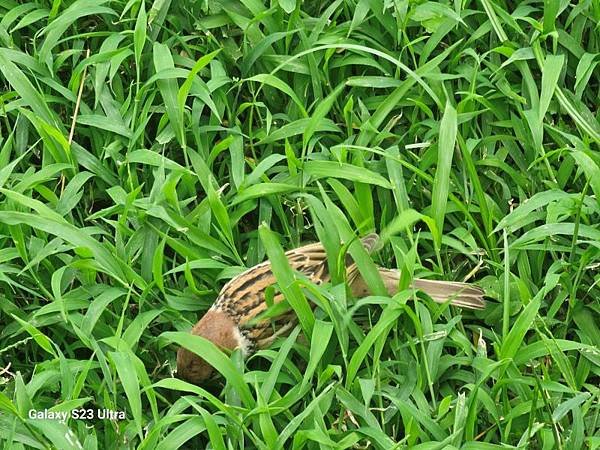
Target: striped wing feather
{"points": [[243, 297]]}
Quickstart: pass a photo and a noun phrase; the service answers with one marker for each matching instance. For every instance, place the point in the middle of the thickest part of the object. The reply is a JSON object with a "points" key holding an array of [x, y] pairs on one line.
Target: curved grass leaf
{"points": [[210, 353]]}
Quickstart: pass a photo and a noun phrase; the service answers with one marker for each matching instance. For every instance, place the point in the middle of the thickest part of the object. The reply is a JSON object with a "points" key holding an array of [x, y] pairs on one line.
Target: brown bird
{"points": [[230, 322]]}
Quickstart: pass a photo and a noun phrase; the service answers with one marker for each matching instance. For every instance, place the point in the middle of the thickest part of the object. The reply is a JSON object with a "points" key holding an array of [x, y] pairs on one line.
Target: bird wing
{"points": [[243, 297]]}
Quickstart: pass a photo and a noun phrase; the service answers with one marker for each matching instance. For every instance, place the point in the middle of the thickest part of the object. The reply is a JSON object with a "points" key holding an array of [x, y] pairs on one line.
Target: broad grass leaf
{"points": [[385, 108], [488, 6], [178, 385], [460, 418], [291, 428], [56, 432], [216, 204], [139, 36], [383, 326], [553, 229], [59, 25], [93, 164], [520, 54], [478, 445], [332, 169], [441, 181], [551, 12], [327, 233], [54, 138], [277, 83], [320, 113], [5, 157], [128, 375], [431, 14], [73, 193], [298, 127], [236, 152], [109, 46], [321, 336], [373, 428], [22, 397], [514, 340], [579, 112], [403, 222], [584, 318], [577, 436], [192, 232], [36, 205], [590, 168], [254, 53], [14, 13], [157, 264], [361, 11], [360, 256], [42, 340], [186, 86], [550, 73], [261, 190], [105, 123], [261, 168], [348, 201], [163, 60], [180, 435], [200, 264], [286, 279], [57, 290], [21, 84], [214, 433], [268, 385], [562, 362], [151, 158], [585, 69], [98, 306], [26, 61], [410, 412], [216, 358], [78, 238], [136, 328], [521, 215], [539, 349], [265, 425], [397, 181], [484, 205], [568, 405], [8, 406], [287, 5]]}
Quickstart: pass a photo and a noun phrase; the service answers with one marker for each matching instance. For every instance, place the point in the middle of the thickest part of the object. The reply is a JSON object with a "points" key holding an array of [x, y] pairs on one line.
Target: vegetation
{"points": [[149, 151]]}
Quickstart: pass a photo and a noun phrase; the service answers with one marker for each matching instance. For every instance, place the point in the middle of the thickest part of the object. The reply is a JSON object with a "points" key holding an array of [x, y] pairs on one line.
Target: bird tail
{"points": [[465, 295]]}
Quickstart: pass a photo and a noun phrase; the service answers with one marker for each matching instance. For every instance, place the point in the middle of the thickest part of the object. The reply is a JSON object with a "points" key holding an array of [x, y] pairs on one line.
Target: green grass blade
{"points": [[441, 181]]}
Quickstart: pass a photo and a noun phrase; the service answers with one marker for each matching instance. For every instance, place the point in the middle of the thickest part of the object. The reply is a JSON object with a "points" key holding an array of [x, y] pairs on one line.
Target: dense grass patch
{"points": [[149, 151]]}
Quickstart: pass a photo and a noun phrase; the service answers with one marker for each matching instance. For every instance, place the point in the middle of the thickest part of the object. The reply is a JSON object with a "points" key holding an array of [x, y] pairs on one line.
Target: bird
{"points": [[231, 322]]}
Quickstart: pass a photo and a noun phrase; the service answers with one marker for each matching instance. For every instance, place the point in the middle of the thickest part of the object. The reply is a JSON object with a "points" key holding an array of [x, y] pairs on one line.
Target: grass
{"points": [[149, 151]]}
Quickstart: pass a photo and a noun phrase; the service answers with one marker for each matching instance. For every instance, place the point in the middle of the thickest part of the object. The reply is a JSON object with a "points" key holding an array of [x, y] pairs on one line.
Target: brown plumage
{"points": [[230, 324]]}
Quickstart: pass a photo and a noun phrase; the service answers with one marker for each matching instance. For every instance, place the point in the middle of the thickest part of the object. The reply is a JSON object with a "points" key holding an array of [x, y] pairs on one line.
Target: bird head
{"points": [[221, 330], [192, 368]]}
